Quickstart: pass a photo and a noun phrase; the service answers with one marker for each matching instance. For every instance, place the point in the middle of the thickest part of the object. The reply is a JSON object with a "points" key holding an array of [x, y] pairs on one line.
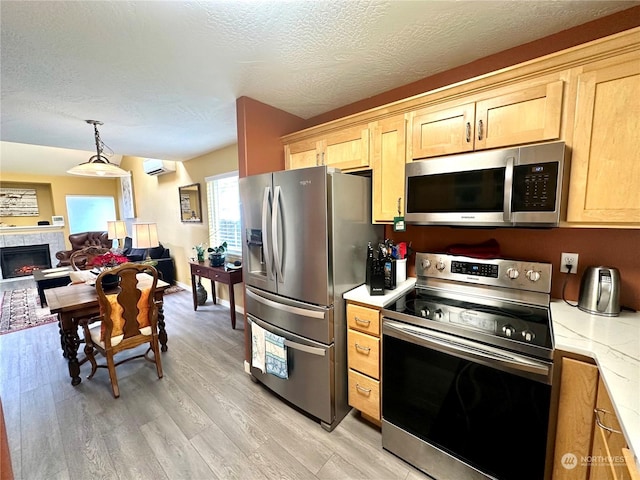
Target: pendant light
{"points": [[98, 165]]}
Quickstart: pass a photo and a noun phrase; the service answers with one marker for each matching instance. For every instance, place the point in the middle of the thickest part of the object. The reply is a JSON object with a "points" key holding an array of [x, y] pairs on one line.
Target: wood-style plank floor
{"points": [[205, 419]]}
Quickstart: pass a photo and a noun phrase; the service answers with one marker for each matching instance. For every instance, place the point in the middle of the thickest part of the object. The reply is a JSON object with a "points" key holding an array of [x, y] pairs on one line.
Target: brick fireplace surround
{"points": [[27, 236]]}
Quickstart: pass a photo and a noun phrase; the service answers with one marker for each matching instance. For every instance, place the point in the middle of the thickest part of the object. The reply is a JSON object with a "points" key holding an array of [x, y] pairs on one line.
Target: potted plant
{"points": [[217, 254]]}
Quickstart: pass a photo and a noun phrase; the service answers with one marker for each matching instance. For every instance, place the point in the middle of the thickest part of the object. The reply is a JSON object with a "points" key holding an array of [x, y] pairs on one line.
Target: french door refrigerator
{"points": [[305, 234]]}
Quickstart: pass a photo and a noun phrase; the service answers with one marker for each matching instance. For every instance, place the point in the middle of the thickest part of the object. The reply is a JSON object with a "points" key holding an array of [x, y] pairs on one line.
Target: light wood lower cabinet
{"points": [[589, 442], [363, 359]]}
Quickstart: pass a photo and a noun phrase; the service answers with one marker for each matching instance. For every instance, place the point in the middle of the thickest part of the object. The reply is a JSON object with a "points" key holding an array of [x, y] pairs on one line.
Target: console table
{"points": [[216, 274]]}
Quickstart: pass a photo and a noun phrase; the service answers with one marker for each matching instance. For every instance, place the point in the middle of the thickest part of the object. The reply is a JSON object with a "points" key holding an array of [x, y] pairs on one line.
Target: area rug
{"points": [[21, 309], [173, 289]]}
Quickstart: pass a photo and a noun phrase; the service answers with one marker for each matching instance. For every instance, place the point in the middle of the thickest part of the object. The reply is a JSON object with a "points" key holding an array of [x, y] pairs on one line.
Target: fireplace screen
{"points": [[23, 260]]}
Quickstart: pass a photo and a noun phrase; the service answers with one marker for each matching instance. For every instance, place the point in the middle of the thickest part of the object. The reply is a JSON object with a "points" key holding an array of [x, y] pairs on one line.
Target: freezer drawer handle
{"points": [[362, 389], [363, 322], [321, 352], [287, 308], [363, 348]]}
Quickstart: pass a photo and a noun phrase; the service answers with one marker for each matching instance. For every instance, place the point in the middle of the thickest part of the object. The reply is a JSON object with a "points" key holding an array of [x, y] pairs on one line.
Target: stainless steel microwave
{"points": [[518, 186]]}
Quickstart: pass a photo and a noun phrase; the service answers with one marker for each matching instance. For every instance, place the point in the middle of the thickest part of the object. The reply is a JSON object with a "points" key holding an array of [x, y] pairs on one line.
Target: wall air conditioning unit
{"points": [[158, 167]]}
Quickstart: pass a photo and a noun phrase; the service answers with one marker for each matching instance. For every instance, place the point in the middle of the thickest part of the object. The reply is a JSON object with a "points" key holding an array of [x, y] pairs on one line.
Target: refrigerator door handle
{"points": [[274, 231], [265, 236], [286, 308], [321, 352]]}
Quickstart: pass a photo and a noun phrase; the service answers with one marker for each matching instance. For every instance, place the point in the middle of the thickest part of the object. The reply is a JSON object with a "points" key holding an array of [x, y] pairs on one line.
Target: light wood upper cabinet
{"points": [[441, 131], [526, 114], [346, 149], [605, 162], [388, 161], [305, 153]]}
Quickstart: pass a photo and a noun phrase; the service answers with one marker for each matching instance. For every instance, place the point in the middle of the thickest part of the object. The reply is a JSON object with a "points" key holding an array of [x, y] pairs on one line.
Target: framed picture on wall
{"points": [[126, 187]]}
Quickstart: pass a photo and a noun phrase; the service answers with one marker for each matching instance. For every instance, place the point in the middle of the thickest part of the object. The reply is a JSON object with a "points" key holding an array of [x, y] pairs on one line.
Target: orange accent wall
{"points": [[260, 127]]}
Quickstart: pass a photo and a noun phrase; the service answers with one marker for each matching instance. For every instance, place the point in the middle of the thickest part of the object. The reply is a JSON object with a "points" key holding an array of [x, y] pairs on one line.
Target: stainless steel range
{"points": [[467, 368]]}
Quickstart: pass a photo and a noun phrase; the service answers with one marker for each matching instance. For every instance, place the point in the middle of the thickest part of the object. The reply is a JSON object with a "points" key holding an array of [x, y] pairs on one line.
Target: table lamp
{"points": [[117, 229], [145, 235]]}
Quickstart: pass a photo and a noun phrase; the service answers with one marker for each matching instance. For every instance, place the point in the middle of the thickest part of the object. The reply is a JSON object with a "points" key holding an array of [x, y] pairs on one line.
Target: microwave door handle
{"points": [[265, 237], [274, 231], [508, 190]]}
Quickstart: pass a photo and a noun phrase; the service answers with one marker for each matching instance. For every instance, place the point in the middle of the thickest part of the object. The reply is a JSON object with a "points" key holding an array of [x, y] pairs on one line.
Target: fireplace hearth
{"points": [[23, 260]]}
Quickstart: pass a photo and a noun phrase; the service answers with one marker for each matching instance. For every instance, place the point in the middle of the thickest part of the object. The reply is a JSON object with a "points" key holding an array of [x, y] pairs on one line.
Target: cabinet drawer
{"points": [[364, 353], [363, 319], [364, 394]]}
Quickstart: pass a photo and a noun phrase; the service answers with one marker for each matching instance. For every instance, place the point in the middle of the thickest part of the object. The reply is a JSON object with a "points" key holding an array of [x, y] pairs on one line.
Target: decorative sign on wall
{"points": [[18, 202], [127, 197]]}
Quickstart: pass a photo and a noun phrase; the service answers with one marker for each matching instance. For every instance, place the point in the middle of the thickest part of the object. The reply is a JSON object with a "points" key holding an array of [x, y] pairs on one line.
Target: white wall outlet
{"points": [[569, 259]]}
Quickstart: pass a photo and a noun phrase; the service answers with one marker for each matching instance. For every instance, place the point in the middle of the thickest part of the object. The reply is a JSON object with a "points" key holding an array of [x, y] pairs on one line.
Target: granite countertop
{"points": [[614, 343]]}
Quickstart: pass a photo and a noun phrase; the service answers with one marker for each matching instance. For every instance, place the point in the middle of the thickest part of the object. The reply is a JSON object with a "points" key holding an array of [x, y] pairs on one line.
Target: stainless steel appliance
{"points": [[467, 368], [305, 234], [519, 186], [600, 291]]}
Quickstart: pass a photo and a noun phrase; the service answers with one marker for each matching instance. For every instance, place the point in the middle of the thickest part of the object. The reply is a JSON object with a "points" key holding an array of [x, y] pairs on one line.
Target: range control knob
{"points": [[424, 312], [512, 273], [508, 330], [533, 275], [426, 263], [440, 265], [528, 335], [438, 315]]}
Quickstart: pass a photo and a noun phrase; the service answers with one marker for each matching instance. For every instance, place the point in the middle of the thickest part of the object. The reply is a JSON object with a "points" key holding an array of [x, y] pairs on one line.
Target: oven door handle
{"points": [[468, 350]]}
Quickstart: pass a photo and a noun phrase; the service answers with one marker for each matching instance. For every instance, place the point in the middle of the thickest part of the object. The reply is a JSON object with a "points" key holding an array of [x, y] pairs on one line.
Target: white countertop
{"points": [[361, 294], [614, 343]]}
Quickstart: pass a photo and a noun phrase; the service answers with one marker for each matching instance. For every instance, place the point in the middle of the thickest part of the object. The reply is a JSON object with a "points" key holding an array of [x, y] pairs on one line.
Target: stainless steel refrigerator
{"points": [[305, 234]]}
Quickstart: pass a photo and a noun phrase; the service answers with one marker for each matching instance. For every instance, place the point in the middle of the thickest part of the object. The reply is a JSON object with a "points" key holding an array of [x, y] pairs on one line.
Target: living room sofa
{"points": [[82, 240], [165, 264]]}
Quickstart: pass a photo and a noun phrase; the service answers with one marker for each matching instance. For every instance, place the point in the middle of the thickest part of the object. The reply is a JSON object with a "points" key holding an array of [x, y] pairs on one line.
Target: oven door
{"points": [[458, 409]]}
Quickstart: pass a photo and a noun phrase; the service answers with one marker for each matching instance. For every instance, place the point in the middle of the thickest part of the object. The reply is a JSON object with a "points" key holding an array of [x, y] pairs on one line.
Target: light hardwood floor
{"points": [[205, 419]]}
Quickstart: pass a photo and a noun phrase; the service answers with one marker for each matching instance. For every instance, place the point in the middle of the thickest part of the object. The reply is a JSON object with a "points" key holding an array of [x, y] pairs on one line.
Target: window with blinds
{"points": [[223, 200]]}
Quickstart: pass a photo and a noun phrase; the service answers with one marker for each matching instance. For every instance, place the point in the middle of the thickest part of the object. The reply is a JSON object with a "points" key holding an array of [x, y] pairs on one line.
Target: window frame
{"points": [[232, 249]]}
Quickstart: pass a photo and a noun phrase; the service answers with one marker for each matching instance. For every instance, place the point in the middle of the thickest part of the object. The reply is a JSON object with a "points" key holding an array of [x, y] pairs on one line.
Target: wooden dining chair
{"points": [[128, 318], [81, 259]]}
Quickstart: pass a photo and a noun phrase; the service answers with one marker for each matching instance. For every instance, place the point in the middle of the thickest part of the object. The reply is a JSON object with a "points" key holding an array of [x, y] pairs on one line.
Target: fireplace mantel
{"points": [[29, 228]]}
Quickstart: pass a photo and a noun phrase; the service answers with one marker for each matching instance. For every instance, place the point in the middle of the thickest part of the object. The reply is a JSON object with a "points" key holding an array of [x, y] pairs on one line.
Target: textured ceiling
{"points": [[163, 76]]}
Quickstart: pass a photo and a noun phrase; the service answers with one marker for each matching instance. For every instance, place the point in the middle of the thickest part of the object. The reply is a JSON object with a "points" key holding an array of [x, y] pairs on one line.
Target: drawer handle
{"points": [[597, 412], [364, 349], [362, 389], [363, 321]]}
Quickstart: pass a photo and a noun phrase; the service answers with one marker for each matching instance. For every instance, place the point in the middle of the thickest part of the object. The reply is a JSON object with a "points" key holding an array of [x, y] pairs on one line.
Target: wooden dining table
{"points": [[76, 303]]}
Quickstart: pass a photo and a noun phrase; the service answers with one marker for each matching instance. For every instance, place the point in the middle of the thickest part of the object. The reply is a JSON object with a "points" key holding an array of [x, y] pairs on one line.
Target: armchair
{"points": [[82, 240], [161, 255]]}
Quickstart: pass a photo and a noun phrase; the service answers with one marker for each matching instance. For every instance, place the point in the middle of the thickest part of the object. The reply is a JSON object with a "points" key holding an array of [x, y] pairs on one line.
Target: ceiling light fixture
{"points": [[98, 165]]}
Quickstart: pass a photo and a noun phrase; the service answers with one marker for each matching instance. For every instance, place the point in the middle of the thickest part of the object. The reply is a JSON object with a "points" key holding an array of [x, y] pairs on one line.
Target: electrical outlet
{"points": [[569, 259]]}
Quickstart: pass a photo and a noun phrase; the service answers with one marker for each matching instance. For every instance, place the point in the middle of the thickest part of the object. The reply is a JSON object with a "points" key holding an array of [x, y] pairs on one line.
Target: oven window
{"points": [[471, 191], [494, 421]]}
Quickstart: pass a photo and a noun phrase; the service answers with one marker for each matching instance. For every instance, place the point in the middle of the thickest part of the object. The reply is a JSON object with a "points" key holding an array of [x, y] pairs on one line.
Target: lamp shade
{"points": [[145, 235], [98, 168], [116, 229]]}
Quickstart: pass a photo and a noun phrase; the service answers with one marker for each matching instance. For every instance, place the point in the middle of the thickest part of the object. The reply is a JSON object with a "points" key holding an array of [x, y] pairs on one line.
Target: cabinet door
{"points": [[442, 130], [347, 149], [305, 153], [608, 441], [605, 163], [388, 161], [578, 386], [528, 115]]}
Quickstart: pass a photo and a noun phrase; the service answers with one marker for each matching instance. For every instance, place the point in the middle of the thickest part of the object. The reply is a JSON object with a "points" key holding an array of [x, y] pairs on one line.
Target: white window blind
{"points": [[223, 199]]}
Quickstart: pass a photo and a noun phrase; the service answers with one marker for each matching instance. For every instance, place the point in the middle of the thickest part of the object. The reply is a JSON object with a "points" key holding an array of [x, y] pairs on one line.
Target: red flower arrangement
{"points": [[108, 259]]}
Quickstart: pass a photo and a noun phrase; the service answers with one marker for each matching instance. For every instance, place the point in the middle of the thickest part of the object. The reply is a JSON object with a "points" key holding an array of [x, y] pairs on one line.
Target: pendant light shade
{"points": [[98, 165]]}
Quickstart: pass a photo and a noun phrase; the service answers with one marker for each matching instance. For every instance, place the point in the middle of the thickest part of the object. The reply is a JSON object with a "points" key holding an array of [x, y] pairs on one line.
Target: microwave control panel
{"points": [[535, 187]]}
